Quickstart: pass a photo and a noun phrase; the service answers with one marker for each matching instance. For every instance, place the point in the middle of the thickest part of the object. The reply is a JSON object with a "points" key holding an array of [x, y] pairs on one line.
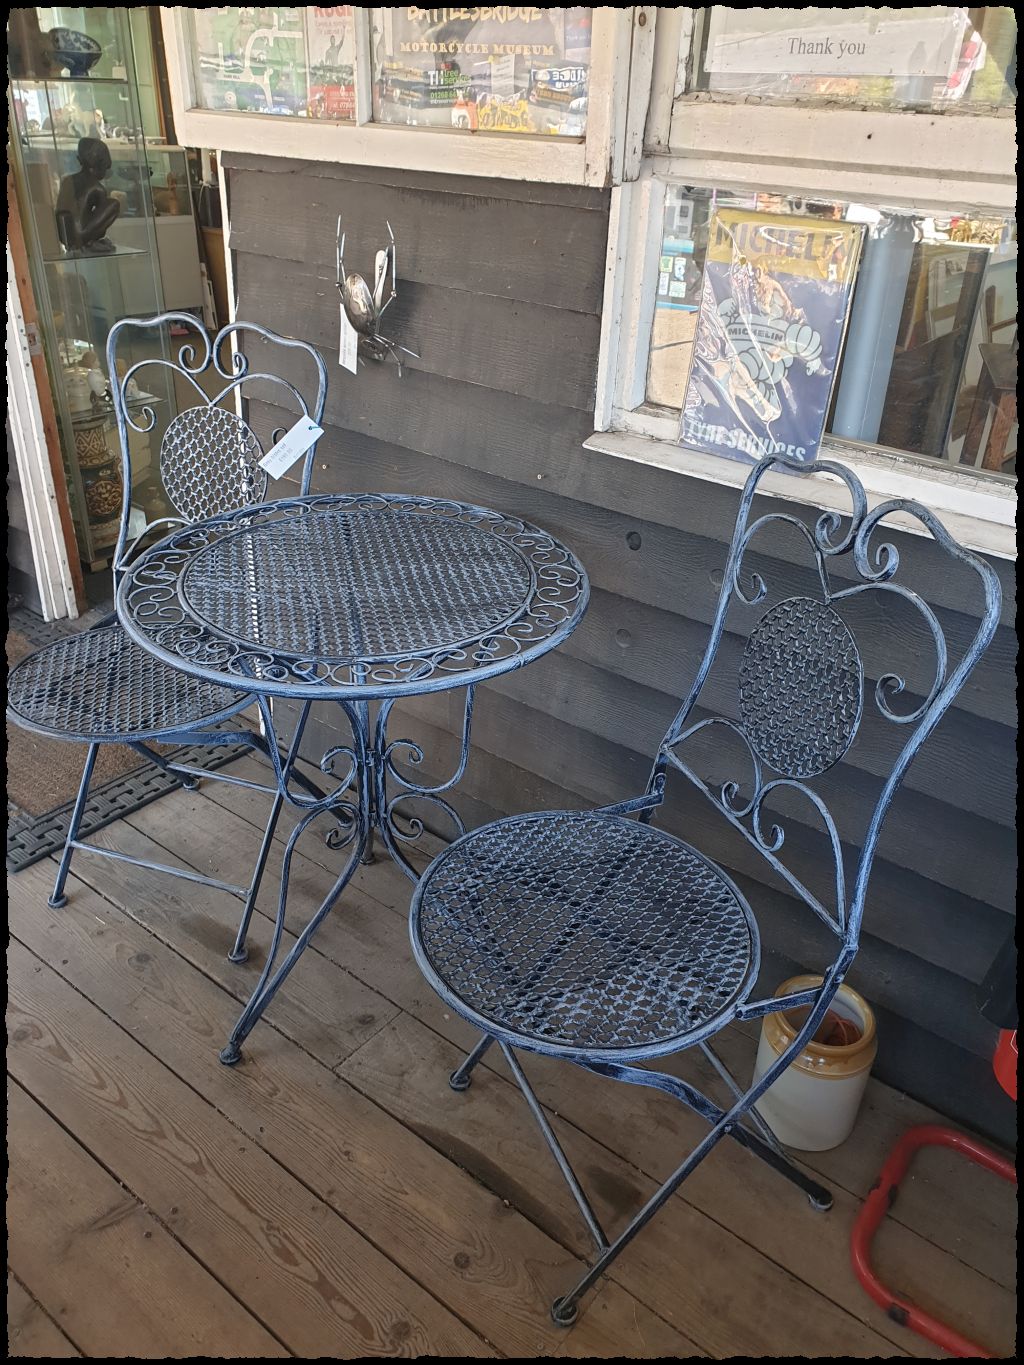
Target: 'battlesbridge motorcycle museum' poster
{"points": [[773, 311]]}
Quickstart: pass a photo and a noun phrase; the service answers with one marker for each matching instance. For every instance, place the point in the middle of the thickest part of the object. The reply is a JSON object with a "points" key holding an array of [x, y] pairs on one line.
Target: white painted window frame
{"points": [[963, 160], [50, 557], [601, 158]]}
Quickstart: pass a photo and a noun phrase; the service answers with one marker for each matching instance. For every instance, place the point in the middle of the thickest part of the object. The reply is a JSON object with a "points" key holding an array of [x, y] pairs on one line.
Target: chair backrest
{"points": [[799, 700], [209, 454]]}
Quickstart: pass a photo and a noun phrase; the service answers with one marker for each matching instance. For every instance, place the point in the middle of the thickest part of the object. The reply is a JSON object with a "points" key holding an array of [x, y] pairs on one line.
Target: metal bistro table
{"points": [[351, 599]]}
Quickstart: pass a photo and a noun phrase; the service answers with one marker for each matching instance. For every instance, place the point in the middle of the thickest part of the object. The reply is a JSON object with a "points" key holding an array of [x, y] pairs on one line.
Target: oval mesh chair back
{"points": [[209, 454], [210, 463], [800, 689]]}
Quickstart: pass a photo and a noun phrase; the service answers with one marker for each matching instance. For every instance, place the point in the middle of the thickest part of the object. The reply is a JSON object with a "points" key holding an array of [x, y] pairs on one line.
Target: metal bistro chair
{"points": [[99, 687], [602, 940]]}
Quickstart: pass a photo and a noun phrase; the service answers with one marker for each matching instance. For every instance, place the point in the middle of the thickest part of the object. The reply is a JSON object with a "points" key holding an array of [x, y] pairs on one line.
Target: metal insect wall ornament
{"points": [[364, 307]]}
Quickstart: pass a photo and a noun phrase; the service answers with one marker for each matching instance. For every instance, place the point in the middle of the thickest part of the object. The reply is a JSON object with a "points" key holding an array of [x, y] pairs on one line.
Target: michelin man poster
{"points": [[773, 310]]}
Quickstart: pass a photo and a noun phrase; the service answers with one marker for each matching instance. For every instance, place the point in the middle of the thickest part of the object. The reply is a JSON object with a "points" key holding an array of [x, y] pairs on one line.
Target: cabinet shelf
{"points": [[67, 257], [71, 80], [103, 412]]}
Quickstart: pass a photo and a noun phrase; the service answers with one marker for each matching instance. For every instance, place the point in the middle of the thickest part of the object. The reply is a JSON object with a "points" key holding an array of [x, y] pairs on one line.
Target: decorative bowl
{"points": [[76, 51]]}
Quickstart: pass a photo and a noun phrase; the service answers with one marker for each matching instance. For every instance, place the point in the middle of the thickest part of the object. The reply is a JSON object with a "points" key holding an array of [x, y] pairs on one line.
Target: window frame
{"points": [[608, 153], [953, 158]]}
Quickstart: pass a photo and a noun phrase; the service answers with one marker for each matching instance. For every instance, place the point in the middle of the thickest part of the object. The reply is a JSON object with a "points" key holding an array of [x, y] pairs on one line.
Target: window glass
{"points": [[505, 68], [917, 55], [295, 60], [929, 364]]}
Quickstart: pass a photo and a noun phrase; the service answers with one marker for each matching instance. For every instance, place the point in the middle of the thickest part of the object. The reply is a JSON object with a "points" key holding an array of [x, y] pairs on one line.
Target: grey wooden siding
{"points": [[500, 292]]}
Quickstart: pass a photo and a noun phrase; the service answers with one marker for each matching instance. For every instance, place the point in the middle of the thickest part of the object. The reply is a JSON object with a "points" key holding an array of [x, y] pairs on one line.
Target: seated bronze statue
{"points": [[85, 207]]}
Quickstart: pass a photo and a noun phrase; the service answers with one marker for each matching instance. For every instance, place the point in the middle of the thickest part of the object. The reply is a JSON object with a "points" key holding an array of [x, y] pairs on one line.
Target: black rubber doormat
{"points": [[32, 837]]}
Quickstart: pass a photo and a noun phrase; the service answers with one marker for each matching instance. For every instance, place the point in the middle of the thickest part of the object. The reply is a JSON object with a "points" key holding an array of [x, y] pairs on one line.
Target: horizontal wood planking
{"points": [[515, 249], [470, 432], [613, 491], [452, 1235], [452, 335], [479, 187], [97, 1258], [111, 974], [31, 1332], [673, 571], [923, 830], [319, 1286]]}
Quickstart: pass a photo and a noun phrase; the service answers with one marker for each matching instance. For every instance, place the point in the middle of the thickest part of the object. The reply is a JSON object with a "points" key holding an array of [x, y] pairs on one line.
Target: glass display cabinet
{"points": [[93, 191]]}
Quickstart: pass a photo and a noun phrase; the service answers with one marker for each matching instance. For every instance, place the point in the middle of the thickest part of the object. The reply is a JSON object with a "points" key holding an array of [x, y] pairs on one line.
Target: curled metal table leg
{"points": [[367, 796], [355, 818], [395, 787]]}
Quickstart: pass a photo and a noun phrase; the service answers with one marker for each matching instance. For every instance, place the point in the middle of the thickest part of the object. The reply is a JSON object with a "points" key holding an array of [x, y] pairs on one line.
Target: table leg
{"points": [[362, 708], [367, 796], [355, 823], [393, 787]]}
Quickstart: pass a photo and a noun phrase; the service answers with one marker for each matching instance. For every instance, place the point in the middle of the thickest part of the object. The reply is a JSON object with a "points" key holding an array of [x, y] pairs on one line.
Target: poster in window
{"points": [[773, 311], [330, 49], [504, 68], [250, 59]]}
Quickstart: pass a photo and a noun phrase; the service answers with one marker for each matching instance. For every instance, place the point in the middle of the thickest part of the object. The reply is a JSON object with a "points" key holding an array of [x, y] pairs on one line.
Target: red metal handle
{"points": [[876, 1206]]}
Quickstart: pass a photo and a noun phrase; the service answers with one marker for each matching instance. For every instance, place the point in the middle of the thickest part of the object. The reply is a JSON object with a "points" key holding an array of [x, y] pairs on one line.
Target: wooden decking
{"points": [[332, 1197]]}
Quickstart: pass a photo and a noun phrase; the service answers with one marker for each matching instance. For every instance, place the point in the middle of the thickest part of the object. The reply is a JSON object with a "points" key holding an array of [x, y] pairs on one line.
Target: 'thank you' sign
{"points": [[918, 40]]}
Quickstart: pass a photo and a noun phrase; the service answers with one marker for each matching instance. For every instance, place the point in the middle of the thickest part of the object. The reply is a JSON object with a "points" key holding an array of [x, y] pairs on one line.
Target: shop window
{"points": [[920, 55], [296, 60], [505, 68], [929, 363]]}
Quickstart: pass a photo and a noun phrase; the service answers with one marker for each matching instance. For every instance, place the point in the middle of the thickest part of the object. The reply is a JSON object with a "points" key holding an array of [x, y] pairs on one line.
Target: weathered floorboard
{"points": [[320, 1287], [488, 1262], [99, 1261], [31, 1333]]}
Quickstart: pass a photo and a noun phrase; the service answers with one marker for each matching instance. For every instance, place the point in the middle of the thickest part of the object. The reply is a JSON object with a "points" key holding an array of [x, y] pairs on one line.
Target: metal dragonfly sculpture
{"points": [[364, 307]]}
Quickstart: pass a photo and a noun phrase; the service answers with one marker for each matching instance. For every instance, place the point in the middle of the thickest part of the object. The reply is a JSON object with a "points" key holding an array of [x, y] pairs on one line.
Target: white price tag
{"points": [[348, 350], [292, 445]]}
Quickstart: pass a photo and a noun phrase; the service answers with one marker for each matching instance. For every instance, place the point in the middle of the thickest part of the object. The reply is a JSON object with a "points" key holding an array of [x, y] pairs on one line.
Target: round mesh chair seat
{"points": [[581, 932], [100, 686]]}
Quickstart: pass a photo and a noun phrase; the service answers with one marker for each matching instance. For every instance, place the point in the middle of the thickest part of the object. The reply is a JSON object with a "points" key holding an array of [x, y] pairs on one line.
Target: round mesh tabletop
{"points": [[584, 932], [395, 584], [353, 595]]}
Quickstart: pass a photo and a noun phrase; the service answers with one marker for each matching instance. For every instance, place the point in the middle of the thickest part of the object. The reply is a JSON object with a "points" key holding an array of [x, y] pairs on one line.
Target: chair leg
{"points": [[555, 1147], [460, 1077], [240, 953], [820, 1197], [57, 896], [189, 782], [564, 1310]]}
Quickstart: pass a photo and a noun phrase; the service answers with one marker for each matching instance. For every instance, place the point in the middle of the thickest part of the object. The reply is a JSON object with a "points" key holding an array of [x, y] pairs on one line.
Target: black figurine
{"points": [[85, 207]]}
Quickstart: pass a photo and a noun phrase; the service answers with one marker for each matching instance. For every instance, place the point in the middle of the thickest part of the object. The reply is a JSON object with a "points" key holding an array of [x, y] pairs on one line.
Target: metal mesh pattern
{"points": [[354, 595], [801, 687], [584, 931], [98, 685], [209, 463], [389, 583]]}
